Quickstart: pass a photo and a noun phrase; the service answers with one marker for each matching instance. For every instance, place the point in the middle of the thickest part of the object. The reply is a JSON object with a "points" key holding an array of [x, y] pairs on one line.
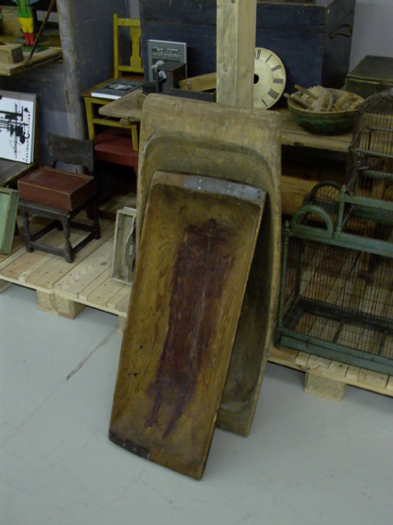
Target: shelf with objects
{"points": [[86, 50], [28, 39]]}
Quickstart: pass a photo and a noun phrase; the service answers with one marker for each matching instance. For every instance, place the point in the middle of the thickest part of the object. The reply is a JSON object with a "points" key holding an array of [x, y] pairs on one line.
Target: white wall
{"points": [[372, 32], [134, 8]]}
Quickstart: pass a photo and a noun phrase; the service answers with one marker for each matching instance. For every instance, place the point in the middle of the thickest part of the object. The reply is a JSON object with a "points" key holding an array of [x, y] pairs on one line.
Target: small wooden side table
{"points": [[58, 195]]}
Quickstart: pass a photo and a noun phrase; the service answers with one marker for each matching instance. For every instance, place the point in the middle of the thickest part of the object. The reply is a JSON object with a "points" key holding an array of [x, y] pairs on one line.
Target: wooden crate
{"points": [[372, 75]]}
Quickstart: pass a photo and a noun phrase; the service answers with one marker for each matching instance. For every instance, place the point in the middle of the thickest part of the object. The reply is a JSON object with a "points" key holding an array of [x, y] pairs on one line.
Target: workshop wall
{"points": [[372, 34], [86, 32]]}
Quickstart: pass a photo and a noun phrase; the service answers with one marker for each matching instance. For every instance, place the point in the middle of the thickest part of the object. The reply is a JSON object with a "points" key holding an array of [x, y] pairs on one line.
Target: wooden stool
{"points": [[57, 195]]}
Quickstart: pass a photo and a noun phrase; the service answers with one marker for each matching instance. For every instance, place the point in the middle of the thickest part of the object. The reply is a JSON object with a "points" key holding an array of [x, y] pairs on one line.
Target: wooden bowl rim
{"points": [[304, 111]]}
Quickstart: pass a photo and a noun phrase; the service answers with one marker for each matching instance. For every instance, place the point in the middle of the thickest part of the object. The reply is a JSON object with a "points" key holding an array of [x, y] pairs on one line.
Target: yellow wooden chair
{"points": [[135, 34], [135, 67]]}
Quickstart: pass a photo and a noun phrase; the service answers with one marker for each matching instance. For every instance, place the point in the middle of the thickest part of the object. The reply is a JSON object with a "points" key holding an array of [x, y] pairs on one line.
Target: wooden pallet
{"points": [[65, 289], [326, 378]]}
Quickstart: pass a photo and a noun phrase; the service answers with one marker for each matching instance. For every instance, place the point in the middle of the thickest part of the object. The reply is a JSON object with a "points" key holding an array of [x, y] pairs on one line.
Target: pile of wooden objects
{"points": [[324, 111], [323, 100]]}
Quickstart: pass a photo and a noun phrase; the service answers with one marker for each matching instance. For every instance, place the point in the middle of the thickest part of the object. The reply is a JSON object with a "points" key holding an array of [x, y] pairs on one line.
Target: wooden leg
{"points": [[134, 136], [89, 118], [26, 230], [68, 252], [96, 223]]}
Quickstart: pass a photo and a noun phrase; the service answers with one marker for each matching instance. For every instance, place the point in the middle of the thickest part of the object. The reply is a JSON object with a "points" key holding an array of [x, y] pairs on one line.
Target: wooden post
{"points": [[236, 28]]}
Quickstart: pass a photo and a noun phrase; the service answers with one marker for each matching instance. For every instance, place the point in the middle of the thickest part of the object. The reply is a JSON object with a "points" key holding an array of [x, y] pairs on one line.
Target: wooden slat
{"points": [[368, 378], [11, 53], [84, 294], [334, 371], [85, 273], [302, 359], [27, 263], [352, 373], [18, 249], [127, 107], [119, 302], [46, 258], [283, 356], [47, 55], [104, 293], [199, 83], [338, 370], [18, 246], [50, 273]]}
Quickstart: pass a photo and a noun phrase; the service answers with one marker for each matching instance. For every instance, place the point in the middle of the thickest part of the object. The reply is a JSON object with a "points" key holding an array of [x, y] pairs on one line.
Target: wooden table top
{"points": [[293, 135], [42, 57], [130, 107]]}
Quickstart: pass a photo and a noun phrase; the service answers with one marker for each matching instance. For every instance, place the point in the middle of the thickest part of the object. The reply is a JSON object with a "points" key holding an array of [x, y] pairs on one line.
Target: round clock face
{"points": [[269, 78]]}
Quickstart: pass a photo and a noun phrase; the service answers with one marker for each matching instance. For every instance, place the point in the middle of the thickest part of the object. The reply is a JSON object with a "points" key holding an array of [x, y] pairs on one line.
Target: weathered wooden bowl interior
{"points": [[239, 145]]}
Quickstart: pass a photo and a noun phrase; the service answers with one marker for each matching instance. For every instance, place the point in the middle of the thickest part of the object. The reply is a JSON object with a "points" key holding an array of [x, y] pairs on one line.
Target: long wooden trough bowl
{"points": [[198, 138]]}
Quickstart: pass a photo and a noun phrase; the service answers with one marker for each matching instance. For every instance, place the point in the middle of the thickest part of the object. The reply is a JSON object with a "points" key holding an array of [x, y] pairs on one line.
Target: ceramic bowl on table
{"points": [[324, 123]]}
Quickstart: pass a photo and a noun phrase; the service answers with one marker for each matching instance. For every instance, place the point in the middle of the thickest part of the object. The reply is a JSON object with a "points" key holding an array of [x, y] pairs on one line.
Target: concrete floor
{"points": [[307, 460]]}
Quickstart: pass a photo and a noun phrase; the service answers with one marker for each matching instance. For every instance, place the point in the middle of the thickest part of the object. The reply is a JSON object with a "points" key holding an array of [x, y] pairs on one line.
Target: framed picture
{"points": [[17, 125], [123, 260]]}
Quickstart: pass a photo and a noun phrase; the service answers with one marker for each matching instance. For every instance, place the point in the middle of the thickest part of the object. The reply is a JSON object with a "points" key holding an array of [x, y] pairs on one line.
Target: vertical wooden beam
{"points": [[236, 27]]}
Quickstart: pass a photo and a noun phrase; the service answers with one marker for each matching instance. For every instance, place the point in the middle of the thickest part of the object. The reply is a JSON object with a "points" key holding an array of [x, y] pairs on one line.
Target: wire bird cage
{"points": [[370, 162], [336, 297]]}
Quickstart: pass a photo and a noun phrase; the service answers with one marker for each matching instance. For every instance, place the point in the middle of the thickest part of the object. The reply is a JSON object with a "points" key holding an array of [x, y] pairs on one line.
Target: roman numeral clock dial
{"points": [[269, 78]]}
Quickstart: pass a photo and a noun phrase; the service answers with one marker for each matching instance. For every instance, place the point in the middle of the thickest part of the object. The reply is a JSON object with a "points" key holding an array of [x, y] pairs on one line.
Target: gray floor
{"points": [[307, 460]]}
